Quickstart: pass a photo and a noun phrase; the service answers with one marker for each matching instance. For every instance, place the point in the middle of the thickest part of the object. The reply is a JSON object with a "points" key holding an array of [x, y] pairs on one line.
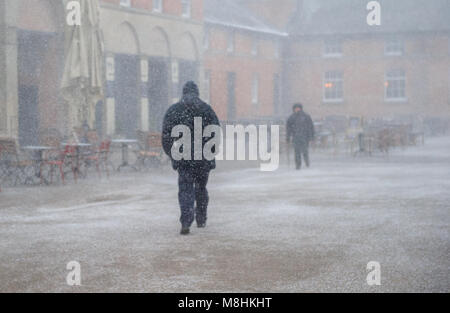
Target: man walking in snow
{"points": [[300, 127], [192, 174]]}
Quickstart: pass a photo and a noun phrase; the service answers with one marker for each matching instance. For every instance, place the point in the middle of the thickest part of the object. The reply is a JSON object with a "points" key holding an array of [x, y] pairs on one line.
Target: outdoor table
{"points": [[77, 147], [38, 158], [125, 143]]}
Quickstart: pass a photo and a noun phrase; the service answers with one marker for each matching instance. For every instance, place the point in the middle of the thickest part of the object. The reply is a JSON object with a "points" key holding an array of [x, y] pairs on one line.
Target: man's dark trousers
{"points": [[192, 188], [301, 149]]}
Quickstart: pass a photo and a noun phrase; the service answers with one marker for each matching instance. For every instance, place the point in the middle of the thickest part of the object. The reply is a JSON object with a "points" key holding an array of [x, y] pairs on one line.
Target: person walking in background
{"points": [[300, 128], [192, 174]]}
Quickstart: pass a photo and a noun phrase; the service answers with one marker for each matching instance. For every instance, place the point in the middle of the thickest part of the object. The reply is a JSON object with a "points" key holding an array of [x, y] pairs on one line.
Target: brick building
{"points": [[240, 53], [152, 47], [339, 65], [242, 61], [31, 59]]}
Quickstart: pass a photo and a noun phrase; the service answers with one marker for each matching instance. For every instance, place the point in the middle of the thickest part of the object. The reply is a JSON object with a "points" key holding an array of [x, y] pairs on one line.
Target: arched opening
{"points": [[158, 82], [127, 83], [122, 39], [157, 43], [187, 47], [40, 59]]}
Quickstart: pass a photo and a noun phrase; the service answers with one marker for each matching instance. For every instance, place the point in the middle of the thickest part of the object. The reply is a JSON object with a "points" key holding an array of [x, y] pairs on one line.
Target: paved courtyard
{"points": [[284, 231]]}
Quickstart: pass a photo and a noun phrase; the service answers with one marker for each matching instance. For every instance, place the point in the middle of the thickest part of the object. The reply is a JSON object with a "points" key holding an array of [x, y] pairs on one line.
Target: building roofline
{"points": [[228, 13], [248, 28]]}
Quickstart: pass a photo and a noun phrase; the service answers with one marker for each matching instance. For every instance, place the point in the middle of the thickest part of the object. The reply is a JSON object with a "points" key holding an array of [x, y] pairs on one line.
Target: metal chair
{"points": [[99, 157], [13, 165], [151, 151], [63, 159]]}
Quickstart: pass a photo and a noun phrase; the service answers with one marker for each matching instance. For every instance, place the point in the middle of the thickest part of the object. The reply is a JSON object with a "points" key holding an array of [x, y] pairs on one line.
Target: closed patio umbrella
{"points": [[82, 82]]}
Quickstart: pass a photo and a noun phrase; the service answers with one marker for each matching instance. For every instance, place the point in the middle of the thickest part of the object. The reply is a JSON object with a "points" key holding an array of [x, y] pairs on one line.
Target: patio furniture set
{"points": [[55, 159]]}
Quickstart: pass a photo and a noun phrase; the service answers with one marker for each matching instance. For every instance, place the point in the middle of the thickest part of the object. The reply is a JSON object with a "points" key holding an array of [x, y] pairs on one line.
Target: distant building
{"points": [[252, 59], [339, 65], [242, 61]]}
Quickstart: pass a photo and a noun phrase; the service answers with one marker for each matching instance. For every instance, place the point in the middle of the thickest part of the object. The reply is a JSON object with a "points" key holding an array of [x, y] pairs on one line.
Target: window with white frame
{"points": [[332, 48], [393, 46], [395, 85], [125, 3], [186, 8], [333, 89], [255, 47], [207, 86], [157, 6], [277, 49], [230, 42], [255, 89], [206, 39]]}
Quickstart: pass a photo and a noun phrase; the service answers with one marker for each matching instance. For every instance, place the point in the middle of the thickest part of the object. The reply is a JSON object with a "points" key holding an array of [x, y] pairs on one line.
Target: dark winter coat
{"points": [[183, 113], [300, 127]]}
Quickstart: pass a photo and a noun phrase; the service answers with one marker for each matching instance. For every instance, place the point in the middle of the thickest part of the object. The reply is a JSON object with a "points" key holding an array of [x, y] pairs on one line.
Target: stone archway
{"points": [[187, 48], [127, 79], [122, 39], [157, 43], [159, 86]]}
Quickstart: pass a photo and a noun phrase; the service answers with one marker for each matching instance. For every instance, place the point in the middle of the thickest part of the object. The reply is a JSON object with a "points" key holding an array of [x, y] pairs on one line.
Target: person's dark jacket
{"points": [[300, 127], [183, 113]]}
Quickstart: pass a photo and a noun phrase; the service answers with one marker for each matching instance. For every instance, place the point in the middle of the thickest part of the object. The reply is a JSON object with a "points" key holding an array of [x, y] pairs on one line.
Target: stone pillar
{"points": [[3, 116], [110, 107], [175, 80], [144, 95], [9, 106], [110, 116], [201, 76]]}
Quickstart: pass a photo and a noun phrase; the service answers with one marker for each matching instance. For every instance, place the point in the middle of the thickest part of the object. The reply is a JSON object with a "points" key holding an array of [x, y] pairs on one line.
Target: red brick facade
{"points": [[247, 71], [170, 7], [264, 66], [364, 66]]}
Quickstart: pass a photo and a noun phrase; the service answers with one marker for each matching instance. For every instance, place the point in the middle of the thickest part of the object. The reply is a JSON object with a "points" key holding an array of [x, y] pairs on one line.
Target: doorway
{"points": [[28, 115], [127, 95], [99, 118], [158, 92], [33, 48]]}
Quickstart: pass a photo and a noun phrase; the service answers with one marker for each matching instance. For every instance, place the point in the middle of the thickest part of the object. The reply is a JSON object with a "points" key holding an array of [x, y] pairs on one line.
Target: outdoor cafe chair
{"points": [[64, 159], [14, 167], [100, 157], [151, 152], [89, 155]]}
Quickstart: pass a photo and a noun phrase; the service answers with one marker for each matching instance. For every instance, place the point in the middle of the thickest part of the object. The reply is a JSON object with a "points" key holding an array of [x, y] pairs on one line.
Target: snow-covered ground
{"points": [[284, 231]]}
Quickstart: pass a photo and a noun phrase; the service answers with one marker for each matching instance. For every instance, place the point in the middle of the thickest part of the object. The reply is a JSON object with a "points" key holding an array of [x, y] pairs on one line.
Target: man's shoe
{"points": [[201, 225], [185, 231]]}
